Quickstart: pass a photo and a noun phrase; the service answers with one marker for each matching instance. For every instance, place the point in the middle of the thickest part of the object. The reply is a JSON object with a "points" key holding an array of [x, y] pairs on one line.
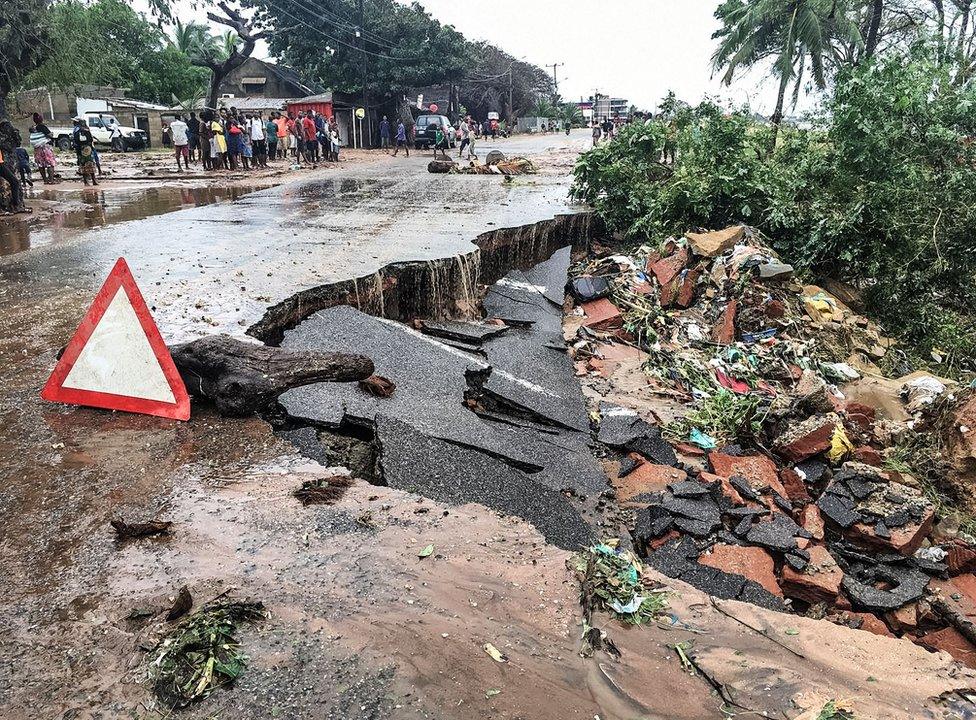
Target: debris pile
{"points": [[748, 459], [505, 166]]}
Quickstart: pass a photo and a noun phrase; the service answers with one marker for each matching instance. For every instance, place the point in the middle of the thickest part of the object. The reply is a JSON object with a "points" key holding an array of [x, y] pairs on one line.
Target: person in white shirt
{"points": [[259, 141], [178, 131], [464, 131]]}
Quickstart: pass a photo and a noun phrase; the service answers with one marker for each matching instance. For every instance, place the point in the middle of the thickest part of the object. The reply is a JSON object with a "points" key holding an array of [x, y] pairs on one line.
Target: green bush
{"points": [[879, 192]]}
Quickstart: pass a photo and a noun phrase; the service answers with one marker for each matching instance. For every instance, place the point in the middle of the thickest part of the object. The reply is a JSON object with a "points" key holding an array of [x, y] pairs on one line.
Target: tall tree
{"points": [[22, 40], [233, 51], [790, 33]]}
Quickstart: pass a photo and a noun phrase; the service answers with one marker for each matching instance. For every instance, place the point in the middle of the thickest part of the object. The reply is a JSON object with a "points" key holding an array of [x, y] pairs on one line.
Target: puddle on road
{"points": [[95, 208]]}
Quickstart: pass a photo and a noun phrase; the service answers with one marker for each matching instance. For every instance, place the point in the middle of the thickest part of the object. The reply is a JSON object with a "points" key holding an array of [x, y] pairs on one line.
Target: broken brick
{"points": [[857, 408], [775, 309], [812, 521], [904, 540], [871, 623], [960, 559], [796, 489], [669, 293], [819, 582], [868, 455], [686, 289], [758, 470], [646, 478], [950, 640], [752, 563], [657, 543], [667, 269], [723, 332], [904, 619], [806, 439], [602, 315], [689, 450], [730, 492], [711, 244]]}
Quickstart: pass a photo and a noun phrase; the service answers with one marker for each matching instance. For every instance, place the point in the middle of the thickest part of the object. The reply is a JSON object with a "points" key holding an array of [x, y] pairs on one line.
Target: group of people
{"points": [[465, 132], [607, 130], [229, 139]]}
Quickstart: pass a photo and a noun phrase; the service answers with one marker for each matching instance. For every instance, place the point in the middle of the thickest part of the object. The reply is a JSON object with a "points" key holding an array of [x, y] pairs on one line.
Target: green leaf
{"points": [[426, 552]]}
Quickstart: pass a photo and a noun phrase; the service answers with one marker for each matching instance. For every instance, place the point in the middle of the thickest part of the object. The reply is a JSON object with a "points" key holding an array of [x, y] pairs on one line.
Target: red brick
{"points": [[960, 591], [904, 540], [669, 293], [753, 563], [812, 521], [644, 288], [904, 619], [819, 582], [686, 291], [796, 489], [759, 470], [806, 439], [689, 449], [861, 409], [868, 455], [951, 641], [775, 309], [667, 269], [872, 624], [730, 492], [723, 332], [602, 315], [660, 542], [647, 478], [961, 559]]}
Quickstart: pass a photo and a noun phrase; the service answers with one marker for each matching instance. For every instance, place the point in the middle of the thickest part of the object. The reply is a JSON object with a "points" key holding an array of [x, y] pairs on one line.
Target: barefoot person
{"points": [[40, 140], [401, 139], [179, 131], [85, 150]]}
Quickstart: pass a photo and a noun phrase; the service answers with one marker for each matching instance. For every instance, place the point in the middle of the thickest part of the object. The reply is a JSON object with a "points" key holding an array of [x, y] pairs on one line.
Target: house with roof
{"points": [[263, 79]]}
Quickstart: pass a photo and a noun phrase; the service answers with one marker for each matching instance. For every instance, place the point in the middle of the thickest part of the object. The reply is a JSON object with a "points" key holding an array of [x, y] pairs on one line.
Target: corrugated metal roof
{"points": [[255, 103]]}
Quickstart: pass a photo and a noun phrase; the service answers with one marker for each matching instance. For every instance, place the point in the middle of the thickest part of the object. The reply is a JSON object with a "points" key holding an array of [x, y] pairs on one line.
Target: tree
{"points": [[496, 81], [193, 39], [231, 52], [792, 33], [22, 40], [131, 53]]}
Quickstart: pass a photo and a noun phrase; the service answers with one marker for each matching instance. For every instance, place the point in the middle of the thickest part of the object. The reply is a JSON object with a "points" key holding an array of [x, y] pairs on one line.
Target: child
{"points": [[23, 166]]}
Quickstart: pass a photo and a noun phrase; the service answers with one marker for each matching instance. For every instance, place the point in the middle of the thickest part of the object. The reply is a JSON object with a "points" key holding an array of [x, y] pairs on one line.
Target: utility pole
{"points": [[362, 46], [555, 80], [511, 106]]}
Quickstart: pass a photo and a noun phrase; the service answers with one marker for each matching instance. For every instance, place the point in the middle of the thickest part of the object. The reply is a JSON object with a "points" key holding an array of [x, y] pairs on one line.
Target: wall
{"points": [[274, 86]]}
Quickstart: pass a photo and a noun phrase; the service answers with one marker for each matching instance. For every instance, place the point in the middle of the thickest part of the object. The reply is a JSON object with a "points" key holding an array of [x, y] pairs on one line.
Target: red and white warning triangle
{"points": [[117, 359]]}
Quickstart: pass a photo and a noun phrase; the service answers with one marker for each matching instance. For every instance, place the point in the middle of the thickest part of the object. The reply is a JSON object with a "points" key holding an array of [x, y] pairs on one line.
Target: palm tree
{"points": [[228, 43], [193, 39], [794, 32]]}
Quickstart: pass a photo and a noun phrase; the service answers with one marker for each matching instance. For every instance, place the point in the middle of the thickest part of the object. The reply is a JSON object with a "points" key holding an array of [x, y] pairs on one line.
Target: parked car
{"points": [[106, 130], [424, 131]]}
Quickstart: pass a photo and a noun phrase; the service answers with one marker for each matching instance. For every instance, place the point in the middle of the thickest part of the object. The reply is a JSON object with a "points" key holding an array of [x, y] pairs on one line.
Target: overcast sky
{"points": [[637, 49]]}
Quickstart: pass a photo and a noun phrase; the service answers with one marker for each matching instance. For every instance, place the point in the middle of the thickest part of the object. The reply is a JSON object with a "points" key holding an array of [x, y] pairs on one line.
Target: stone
{"points": [[712, 244], [753, 563], [819, 582], [812, 521], [807, 438], [758, 470], [723, 332], [796, 489], [602, 315], [960, 559], [646, 478], [812, 393], [953, 642], [904, 540], [667, 269], [686, 288], [904, 619], [868, 455], [775, 271]]}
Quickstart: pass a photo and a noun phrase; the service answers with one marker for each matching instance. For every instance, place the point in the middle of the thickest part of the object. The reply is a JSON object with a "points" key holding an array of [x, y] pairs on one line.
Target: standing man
{"points": [[259, 144], [596, 133], [385, 134], [271, 133], [401, 139], [193, 136], [310, 136], [179, 132], [464, 131]]}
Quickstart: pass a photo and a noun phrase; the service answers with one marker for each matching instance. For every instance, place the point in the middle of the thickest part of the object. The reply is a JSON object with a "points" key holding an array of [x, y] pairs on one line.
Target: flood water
{"points": [[93, 208]]}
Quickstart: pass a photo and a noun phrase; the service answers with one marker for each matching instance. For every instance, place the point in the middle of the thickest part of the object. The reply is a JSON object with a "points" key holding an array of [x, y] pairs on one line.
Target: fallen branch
{"points": [[242, 377], [754, 629]]}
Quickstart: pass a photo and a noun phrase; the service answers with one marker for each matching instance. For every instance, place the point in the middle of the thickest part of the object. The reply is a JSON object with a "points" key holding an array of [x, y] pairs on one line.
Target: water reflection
{"points": [[95, 208]]}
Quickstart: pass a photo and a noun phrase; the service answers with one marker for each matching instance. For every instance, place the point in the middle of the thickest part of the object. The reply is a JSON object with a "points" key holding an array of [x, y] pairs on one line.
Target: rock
{"points": [[807, 438], [758, 470], [753, 563], [441, 166], [819, 582], [951, 641], [646, 478], [775, 271], [960, 559], [602, 315], [723, 332], [812, 394], [715, 243], [960, 452], [669, 293], [868, 455], [904, 619], [667, 269], [687, 286], [812, 521]]}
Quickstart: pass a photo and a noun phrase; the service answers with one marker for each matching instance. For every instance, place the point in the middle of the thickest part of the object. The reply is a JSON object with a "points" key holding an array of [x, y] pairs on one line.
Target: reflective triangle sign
{"points": [[117, 359]]}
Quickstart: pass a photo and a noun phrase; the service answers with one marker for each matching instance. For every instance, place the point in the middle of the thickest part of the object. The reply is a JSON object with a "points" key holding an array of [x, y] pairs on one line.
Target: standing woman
{"points": [[85, 150], [40, 140], [234, 145], [219, 144], [204, 138]]}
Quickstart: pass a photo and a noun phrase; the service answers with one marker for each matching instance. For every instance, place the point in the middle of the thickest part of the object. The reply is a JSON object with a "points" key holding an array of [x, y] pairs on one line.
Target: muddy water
{"points": [[92, 208]]}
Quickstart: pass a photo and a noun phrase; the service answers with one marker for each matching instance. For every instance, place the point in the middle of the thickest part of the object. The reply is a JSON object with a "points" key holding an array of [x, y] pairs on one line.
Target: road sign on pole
{"points": [[117, 359]]}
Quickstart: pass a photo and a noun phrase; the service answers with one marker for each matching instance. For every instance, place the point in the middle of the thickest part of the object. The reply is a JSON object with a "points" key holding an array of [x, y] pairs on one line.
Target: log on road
{"points": [[243, 378]]}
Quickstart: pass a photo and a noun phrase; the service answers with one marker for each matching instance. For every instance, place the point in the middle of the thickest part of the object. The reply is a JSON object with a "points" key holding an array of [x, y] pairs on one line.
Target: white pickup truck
{"points": [[106, 130]]}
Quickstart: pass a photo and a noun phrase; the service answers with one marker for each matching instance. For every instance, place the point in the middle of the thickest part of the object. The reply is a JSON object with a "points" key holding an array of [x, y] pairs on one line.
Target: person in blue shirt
{"points": [[385, 134], [401, 139], [23, 167]]}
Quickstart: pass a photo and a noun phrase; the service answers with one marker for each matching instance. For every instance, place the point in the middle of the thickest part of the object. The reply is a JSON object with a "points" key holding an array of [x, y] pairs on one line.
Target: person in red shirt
{"points": [[293, 134], [310, 135]]}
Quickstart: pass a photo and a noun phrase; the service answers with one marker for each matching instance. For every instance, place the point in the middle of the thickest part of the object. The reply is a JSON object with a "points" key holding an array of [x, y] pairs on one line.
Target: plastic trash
{"points": [[586, 288]]}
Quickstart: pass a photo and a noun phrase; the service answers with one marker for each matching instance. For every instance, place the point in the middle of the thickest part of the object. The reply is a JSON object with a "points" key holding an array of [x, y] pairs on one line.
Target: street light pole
{"points": [[360, 33]]}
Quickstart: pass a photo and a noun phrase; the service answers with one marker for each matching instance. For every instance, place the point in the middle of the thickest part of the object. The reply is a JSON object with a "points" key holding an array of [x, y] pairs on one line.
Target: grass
{"points": [[724, 415], [201, 653]]}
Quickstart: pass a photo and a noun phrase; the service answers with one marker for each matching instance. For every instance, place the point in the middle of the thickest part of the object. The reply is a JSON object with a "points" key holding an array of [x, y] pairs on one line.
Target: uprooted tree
{"points": [[221, 64]]}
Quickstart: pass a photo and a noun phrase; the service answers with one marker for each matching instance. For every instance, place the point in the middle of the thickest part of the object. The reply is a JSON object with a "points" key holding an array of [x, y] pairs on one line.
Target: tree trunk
{"points": [[777, 117], [243, 378], [874, 27]]}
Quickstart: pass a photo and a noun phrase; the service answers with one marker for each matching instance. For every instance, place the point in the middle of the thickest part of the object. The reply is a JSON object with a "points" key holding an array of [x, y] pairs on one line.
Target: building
{"points": [[603, 107], [260, 78]]}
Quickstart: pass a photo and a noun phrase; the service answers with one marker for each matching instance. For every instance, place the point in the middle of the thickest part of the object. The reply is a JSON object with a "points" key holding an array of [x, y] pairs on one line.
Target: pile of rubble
{"points": [[745, 457], [497, 165]]}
